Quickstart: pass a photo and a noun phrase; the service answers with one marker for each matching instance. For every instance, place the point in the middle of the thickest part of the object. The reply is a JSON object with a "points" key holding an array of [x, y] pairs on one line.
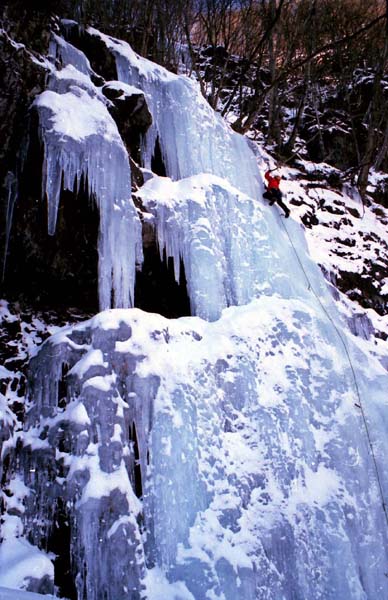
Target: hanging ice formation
{"points": [[81, 140], [240, 437], [194, 140], [192, 137], [224, 241]]}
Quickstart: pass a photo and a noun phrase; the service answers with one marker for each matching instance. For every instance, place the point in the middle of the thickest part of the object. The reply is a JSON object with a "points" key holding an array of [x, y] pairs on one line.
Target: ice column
{"points": [[81, 140]]}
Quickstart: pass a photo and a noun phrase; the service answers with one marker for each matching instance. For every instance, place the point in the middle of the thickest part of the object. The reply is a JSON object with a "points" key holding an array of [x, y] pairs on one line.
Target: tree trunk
{"points": [[273, 134], [374, 116]]}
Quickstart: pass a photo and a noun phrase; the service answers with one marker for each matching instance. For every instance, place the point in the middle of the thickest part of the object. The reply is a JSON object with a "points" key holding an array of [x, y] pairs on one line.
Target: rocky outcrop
{"points": [[24, 39], [131, 114], [22, 77]]}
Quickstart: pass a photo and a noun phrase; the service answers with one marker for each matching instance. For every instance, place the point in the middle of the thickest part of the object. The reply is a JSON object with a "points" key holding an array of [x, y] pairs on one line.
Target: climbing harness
{"points": [[359, 404]]}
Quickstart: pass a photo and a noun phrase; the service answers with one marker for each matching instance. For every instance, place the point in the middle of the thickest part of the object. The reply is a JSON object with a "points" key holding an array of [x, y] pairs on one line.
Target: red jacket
{"points": [[273, 183]]}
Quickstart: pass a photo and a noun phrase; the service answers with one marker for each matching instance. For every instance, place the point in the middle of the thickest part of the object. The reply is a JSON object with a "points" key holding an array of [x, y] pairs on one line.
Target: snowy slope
{"points": [[349, 242], [12, 594]]}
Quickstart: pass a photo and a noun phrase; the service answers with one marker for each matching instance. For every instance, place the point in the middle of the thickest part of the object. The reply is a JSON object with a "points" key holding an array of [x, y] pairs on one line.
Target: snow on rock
{"points": [[8, 420], [256, 476], [123, 89], [347, 238], [24, 566], [21, 563], [81, 140], [67, 54]]}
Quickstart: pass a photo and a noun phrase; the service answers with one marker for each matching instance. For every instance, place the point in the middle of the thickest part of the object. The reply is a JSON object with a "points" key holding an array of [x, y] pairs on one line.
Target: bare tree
{"points": [[376, 115]]}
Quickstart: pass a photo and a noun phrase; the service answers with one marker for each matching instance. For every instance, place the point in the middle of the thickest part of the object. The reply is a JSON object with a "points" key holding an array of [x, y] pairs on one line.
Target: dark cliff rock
{"points": [[22, 77], [101, 60], [130, 111]]}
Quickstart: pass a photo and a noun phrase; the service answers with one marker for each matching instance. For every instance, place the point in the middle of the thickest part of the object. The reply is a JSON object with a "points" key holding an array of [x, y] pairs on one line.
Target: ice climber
{"points": [[273, 193]]}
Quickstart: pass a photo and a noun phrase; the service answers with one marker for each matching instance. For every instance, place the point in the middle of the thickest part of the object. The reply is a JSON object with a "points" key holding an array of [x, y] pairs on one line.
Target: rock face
{"points": [[22, 78], [131, 113]]}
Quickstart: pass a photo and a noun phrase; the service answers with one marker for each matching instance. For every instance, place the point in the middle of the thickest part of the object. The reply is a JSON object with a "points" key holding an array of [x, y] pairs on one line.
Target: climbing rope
{"points": [[360, 404]]}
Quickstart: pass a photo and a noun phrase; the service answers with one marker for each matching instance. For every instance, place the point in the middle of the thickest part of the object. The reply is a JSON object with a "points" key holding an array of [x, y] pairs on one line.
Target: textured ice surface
{"points": [[81, 140], [257, 480], [232, 251], [193, 138], [13, 594]]}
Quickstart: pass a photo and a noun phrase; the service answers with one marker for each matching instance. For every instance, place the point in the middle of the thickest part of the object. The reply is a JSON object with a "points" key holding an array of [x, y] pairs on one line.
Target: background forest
{"points": [[309, 76]]}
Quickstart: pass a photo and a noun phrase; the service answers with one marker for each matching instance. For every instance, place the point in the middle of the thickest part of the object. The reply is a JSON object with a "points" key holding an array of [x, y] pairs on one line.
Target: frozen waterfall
{"points": [[219, 456], [256, 478], [207, 210], [193, 138], [81, 140]]}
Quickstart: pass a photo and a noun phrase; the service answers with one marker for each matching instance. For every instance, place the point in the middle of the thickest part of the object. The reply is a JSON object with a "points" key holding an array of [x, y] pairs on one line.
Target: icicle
{"points": [[80, 139], [12, 190], [69, 55], [223, 239]]}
